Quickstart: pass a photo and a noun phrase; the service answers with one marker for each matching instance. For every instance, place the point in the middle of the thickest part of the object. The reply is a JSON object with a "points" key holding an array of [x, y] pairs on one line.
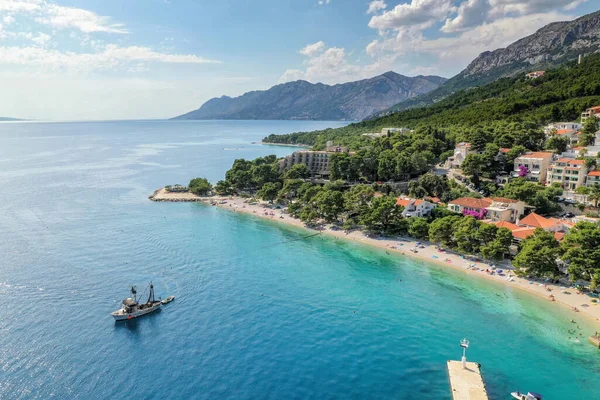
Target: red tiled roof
{"points": [[472, 202], [504, 150], [435, 200], [537, 154], [523, 233], [594, 173], [577, 162], [537, 221], [564, 160], [595, 108], [559, 236], [504, 200], [564, 131], [505, 224], [403, 202], [417, 202]]}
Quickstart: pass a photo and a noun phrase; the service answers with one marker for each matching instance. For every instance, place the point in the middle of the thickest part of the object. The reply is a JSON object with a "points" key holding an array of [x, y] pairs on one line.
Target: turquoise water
{"points": [[260, 312]]}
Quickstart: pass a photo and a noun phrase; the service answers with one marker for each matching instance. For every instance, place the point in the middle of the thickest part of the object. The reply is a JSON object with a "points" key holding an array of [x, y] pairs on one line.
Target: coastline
{"points": [[303, 146], [565, 297]]}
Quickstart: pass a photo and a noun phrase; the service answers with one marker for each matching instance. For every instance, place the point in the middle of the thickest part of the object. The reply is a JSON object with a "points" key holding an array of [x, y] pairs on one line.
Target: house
{"points": [[503, 209], [533, 166], [460, 153], [557, 126], [568, 172], [470, 205], [593, 178], [535, 74], [493, 209], [571, 135], [414, 207], [590, 112]]}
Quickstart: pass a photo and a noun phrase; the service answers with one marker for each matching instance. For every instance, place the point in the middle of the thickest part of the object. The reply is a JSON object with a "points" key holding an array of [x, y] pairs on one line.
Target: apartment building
{"points": [[590, 112], [533, 166], [316, 161], [568, 172], [593, 179]]}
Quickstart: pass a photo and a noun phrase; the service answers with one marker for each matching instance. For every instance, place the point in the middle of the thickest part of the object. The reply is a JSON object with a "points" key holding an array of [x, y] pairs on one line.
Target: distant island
{"points": [[6, 119], [301, 100]]}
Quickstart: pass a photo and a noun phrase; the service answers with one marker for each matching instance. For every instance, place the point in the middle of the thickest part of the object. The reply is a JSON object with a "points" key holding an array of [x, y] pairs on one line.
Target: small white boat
{"points": [[168, 300], [528, 396], [130, 308]]}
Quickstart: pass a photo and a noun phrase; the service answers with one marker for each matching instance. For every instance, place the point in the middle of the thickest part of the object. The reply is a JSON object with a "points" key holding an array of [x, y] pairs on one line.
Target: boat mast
{"points": [[134, 293], [151, 295]]}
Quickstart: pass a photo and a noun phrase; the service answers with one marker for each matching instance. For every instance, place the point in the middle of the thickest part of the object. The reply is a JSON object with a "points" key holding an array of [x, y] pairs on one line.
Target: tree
{"points": [[472, 166], [557, 143], [442, 230], [544, 198], [418, 228], [290, 188], [465, 234], [330, 204], [358, 198], [223, 188], [538, 255], [581, 250], [588, 132], [200, 186], [496, 249], [269, 191], [382, 214], [297, 171]]}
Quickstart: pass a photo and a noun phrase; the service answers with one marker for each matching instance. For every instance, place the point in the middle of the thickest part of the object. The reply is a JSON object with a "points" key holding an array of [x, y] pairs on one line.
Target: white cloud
{"points": [[312, 49], [376, 6], [8, 19], [470, 13], [19, 5], [422, 13], [321, 2], [521, 7], [112, 57], [62, 17], [86, 21], [332, 66]]}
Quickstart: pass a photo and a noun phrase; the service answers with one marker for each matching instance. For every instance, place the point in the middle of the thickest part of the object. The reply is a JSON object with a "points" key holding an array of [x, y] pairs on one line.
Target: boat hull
{"points": [[121, 315]]}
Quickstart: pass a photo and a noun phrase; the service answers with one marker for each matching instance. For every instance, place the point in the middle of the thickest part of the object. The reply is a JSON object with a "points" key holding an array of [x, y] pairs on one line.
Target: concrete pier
{"points": [[466, 384]]}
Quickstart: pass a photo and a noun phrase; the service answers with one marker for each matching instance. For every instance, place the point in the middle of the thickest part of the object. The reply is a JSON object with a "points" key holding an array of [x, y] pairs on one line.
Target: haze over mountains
{"points": [[552, 45], [301, 100]]}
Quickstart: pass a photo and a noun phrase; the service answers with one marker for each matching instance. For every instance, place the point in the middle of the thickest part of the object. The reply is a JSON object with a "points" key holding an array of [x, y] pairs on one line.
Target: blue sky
{"points": [[120, 59]]}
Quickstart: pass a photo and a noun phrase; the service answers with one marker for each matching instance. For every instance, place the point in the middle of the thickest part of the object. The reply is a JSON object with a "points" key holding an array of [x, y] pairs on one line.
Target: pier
{"points": [[466, 383]]}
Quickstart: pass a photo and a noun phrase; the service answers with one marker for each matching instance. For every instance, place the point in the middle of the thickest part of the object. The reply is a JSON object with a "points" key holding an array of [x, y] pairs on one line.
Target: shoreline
{"points": [[566, 297], [304, 146]]}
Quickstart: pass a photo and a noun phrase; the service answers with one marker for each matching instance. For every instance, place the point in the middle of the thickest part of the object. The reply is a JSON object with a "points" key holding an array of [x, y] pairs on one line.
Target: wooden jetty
{"points": [[466, 383]]}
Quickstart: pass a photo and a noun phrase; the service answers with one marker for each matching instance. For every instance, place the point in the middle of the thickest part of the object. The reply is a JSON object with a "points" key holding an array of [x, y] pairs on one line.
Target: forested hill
{"points": [[301, 100], [560, 95], [551, 46]]}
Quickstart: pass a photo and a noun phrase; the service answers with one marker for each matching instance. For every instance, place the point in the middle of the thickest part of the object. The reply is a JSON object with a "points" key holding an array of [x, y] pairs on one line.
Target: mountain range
{"points": [[301, 100], [552, 45]]}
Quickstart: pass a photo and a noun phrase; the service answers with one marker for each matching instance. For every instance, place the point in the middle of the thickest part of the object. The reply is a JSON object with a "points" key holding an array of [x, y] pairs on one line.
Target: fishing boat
{"points": [[130, 308], [168, 300], [528, 396]]}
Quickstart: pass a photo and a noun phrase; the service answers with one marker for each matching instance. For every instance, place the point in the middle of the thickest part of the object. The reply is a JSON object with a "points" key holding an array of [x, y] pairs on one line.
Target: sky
{"points": [[137, 59]]}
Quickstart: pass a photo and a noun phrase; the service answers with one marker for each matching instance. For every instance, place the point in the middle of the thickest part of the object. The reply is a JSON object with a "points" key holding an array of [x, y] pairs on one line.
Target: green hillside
{"points": [[560, 95]]}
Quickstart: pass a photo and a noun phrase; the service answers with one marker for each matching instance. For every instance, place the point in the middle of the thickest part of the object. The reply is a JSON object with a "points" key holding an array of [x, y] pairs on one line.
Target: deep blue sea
{"points": [[260, 312]]}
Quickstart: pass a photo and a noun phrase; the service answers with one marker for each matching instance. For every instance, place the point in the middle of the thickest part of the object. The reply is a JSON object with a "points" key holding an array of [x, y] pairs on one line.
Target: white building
{"points": [[460, 153], [414, 207], [533, 165]]}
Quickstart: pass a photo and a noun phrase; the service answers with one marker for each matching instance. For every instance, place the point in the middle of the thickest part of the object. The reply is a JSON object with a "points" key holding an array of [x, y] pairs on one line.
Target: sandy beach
{"points": [[565, 296]]}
